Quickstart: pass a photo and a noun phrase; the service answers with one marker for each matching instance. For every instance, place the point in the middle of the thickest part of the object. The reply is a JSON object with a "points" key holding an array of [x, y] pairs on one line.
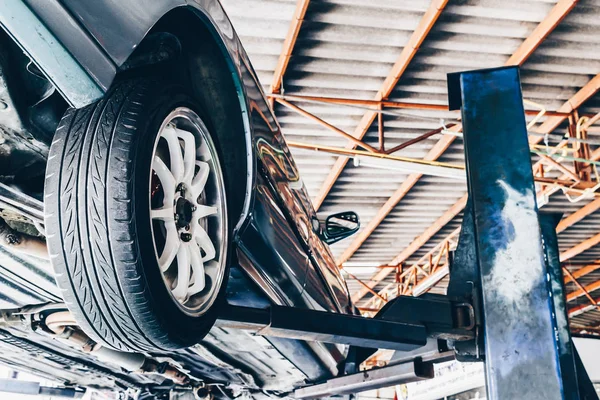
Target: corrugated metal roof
{"points": [[346, 48]]}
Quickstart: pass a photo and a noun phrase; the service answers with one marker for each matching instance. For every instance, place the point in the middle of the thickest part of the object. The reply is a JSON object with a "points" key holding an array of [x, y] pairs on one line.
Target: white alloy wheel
{"points": [[188, 211]]}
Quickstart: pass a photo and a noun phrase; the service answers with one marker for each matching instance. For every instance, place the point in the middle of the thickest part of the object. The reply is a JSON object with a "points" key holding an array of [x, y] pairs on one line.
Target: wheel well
{"points": [[199, 61]]}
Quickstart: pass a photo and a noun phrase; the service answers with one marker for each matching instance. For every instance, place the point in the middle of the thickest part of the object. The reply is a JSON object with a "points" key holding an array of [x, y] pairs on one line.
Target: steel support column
{"points": [[521, 355]]}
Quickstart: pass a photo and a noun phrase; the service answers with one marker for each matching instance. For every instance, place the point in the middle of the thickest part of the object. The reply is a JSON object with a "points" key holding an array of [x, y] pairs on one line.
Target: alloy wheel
{"points": [[188, 211]]}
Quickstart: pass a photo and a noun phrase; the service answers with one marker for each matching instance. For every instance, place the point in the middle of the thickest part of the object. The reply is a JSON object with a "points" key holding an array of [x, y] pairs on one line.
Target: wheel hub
{"points": [[184, 212]]}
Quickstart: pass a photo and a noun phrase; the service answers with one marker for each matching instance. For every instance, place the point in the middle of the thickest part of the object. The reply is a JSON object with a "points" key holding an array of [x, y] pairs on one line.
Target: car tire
{"points": [[104, 223]]}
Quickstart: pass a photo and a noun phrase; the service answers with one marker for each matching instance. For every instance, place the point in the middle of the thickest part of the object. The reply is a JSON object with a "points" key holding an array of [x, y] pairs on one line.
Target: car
{"points": [[144, 171]]}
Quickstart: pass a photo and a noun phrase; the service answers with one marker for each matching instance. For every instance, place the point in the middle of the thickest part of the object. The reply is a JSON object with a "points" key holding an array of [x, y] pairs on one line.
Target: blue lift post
{"points": [[521, 356]]}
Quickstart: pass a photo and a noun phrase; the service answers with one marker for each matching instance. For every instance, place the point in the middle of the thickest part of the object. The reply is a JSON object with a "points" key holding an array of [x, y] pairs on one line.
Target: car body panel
{"points": [[267, 230]]}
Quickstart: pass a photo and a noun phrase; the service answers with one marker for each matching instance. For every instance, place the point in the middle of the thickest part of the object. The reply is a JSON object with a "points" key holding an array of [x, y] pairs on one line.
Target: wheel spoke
{"points": [[170, 134], [200, 179], [164, 214], [203, 211], [167, 180], [203, 240], [198, 271], [211, 270], [172, 245], [183, 273], [189, 154], [203, 152]]}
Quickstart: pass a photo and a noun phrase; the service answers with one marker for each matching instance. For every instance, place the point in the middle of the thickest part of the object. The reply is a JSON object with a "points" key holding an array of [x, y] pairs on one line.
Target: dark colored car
{"points": [[168, 189]]}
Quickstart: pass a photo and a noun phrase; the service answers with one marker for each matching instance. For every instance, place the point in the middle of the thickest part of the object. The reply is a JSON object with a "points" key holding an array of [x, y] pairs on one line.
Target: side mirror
{"points": [[339, 226]]}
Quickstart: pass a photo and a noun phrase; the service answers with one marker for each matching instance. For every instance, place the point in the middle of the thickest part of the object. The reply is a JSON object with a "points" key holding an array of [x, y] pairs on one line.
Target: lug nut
{"points": [[186, 237]]}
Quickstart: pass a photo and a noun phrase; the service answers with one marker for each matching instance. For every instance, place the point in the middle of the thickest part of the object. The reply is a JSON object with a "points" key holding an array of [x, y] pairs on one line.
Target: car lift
{"points": [[505, 304]]}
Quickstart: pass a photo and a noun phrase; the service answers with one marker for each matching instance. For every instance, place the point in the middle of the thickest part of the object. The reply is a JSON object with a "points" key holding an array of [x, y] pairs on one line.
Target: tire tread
{"points": [[91, 224]]}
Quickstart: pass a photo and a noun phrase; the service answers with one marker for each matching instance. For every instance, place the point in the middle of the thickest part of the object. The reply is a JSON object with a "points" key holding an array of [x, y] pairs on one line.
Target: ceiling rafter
{"points": [[288, 45], [580, 248], [578, 215], [406, 56], [583, 291], [551, 123], [387, 104], [327, 125], [587, 269], [583, 308], [544, 28], [541, 32]]}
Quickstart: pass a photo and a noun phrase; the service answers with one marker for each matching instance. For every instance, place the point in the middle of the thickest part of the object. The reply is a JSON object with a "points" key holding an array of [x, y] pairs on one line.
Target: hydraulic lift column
{"points": [[521, 359]]}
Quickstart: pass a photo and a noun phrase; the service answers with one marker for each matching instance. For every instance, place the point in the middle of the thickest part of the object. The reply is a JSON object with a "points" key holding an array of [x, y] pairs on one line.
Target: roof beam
{"points": [[571, 277], [326, 125], [406, 56], [588, 269], [580, 248], [583, 308], [591, 121], [404, 105], [551, 123], [541, 32], [583, 291], [578, 215], [288, 45]]}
